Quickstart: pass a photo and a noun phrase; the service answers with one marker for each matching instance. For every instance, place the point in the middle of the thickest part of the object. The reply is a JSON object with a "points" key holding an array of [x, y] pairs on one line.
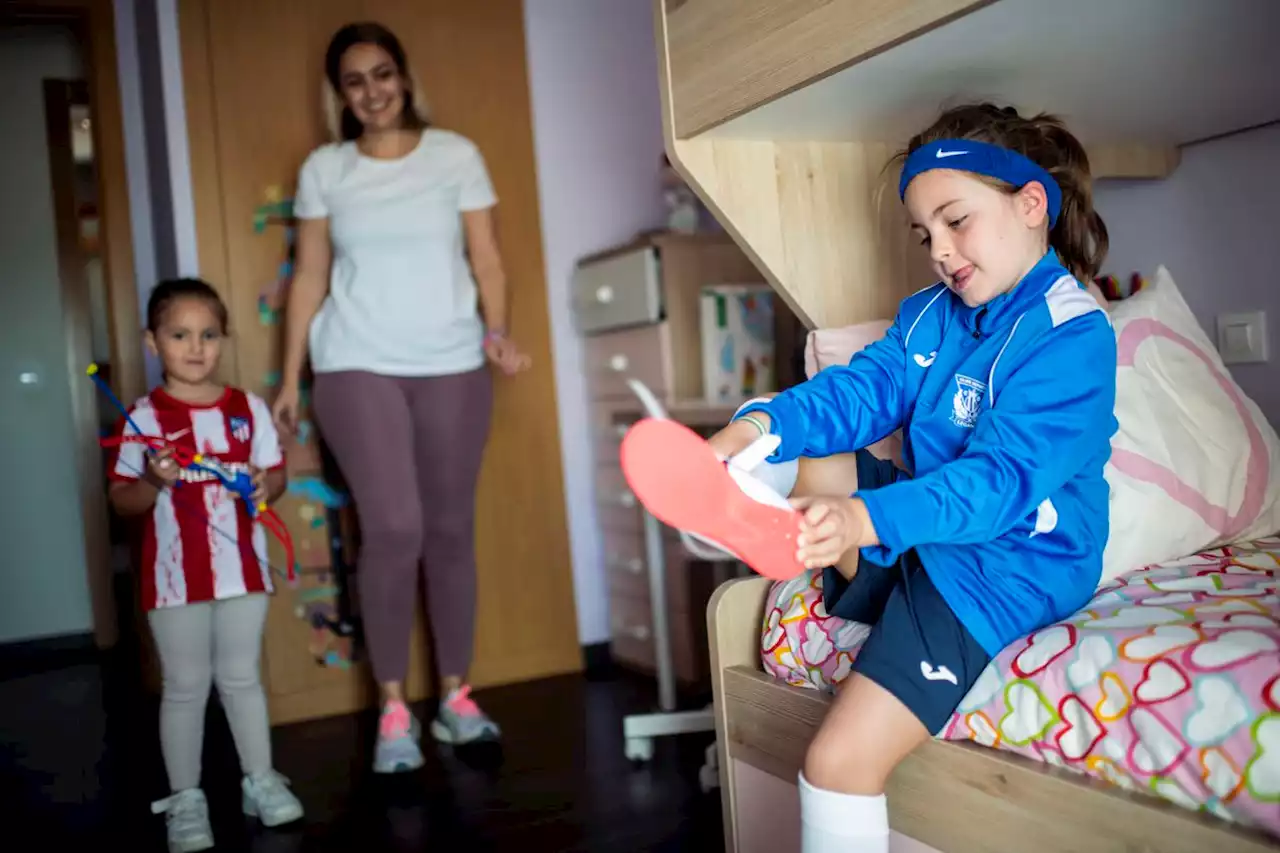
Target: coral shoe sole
{"points": [[676, 476]]}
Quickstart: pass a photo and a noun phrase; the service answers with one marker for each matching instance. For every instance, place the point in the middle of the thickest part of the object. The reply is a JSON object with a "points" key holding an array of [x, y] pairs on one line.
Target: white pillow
{"points": [[825, 347], [1194, 460]]}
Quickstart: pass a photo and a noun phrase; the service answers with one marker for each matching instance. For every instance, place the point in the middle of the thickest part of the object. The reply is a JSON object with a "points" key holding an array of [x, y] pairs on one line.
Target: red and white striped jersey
{"points": [[199, 543]]}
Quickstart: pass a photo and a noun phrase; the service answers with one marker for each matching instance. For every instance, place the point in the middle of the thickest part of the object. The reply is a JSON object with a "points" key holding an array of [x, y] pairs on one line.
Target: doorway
{"points": [[67, 298]]}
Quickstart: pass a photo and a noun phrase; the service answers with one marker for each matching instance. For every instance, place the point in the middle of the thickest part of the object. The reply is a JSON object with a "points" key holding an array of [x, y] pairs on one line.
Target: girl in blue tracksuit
{"points": [[1002, 378]]}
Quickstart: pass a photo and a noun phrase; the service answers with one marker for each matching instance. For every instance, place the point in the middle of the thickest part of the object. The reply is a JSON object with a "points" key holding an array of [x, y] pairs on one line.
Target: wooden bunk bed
{"points": [[781, 115]]}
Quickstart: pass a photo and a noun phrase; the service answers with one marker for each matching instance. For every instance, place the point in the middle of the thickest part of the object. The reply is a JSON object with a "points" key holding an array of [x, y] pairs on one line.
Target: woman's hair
{"points": [[1080, 236], [164, 294], [341, 121]]}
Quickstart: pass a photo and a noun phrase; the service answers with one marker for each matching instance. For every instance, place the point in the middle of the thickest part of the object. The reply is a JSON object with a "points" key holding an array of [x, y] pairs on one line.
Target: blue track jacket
{"points": [[1008, 411]]}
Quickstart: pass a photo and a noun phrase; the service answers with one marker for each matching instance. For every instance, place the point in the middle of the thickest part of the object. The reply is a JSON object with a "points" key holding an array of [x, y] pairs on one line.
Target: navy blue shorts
{"points": [[917, 649]]}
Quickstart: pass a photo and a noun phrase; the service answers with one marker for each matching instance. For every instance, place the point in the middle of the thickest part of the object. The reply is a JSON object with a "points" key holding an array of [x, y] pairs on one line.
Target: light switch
{"points": [[1242, 338]]}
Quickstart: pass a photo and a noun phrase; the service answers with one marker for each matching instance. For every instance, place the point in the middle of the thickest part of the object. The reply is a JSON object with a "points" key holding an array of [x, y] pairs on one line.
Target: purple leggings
{"points": [[410, 451]]}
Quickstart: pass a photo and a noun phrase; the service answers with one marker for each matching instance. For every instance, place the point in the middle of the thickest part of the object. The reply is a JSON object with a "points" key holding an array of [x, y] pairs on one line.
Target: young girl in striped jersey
{"points": [[204, 572]]}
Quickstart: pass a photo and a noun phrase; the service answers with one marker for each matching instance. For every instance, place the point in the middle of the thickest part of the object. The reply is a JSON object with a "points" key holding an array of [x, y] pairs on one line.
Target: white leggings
{"points": [[218, 642]]}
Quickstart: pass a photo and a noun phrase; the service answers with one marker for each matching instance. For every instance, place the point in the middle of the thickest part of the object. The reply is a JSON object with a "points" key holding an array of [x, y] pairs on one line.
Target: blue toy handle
{"points": [[242, 485], [239, 483]]}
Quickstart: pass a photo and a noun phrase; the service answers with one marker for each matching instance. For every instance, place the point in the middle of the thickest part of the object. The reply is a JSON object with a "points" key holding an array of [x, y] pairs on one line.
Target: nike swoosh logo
{"points": [[925, 361], [939, 674], [174, 436], [940, 153]]}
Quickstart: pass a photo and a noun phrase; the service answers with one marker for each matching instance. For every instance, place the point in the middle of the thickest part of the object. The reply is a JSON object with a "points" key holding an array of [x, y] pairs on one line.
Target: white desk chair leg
{"points": [[639, 730]]}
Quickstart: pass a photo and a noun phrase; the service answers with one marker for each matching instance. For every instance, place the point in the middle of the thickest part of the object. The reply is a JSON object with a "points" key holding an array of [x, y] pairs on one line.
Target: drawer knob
{"points": [[635, 565], [627, 499], [618, 362], [604, 294], [621, 429]]}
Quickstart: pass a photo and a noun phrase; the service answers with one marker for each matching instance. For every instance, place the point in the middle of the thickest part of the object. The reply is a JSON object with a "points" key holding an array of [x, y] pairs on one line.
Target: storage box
{"points": [[737, 341]]}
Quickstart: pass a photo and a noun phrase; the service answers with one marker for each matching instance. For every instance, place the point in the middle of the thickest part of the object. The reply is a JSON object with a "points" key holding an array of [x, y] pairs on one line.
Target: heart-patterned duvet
{"points": [[1167, 682]]}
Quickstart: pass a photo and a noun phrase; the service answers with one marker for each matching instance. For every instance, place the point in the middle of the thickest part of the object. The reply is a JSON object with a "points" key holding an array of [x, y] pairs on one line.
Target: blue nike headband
{"points": [[981, 158]]}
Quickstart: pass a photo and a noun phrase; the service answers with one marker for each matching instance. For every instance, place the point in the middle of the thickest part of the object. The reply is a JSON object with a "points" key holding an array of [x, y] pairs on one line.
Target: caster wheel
{"points": [[639, 748], [708, 778]]}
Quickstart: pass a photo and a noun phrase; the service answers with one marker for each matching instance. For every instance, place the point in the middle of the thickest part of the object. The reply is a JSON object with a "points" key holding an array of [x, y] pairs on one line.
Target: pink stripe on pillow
{"points": [[1257, 472]]}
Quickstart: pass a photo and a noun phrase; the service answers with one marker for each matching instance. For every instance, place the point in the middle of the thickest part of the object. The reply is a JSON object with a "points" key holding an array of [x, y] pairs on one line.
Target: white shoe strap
{"points": [[189, 797], [756, 490], [709, 551], [652, 407], [755, 453]]}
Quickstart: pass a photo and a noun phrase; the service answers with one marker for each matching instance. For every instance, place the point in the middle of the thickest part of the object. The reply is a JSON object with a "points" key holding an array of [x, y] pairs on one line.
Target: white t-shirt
{"points": [[402, 300]]}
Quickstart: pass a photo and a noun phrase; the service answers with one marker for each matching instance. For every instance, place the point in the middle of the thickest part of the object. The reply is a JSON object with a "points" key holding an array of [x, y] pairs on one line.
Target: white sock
{"points": [[841, 823]]}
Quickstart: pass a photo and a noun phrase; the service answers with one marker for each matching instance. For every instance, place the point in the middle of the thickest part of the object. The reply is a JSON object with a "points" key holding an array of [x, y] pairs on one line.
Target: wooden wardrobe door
{"points": [[253, 72]]}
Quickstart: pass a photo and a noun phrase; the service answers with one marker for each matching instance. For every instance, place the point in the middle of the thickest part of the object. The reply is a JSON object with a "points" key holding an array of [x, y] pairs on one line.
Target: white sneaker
{"points": [[186, 817], [764, 482], [267, 797], [767, 482], [682, 483]]}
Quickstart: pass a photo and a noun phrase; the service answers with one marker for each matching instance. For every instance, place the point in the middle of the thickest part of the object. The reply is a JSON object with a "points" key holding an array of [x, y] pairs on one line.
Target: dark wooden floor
{"points": [[80, 763]]}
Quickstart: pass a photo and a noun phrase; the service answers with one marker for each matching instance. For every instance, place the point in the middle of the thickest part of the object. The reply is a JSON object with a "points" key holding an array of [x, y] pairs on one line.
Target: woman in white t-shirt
{"points": [[395, 243]]}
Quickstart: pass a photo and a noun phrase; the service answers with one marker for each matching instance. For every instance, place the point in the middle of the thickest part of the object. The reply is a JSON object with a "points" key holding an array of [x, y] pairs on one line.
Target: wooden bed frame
{"points": [[782, 116], [954, 797]]}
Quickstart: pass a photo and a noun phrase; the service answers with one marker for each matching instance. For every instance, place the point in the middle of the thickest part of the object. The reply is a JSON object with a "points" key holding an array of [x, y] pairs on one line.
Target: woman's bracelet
{"points": [[756, 422]]}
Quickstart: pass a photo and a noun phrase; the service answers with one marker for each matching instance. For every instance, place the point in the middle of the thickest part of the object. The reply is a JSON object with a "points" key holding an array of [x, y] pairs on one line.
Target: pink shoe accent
{"points": [[678, 478], [461, 703], [394, 722]]}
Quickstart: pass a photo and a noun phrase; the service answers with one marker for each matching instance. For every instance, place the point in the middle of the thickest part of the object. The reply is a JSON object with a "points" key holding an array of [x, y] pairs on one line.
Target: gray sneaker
{"points": [[460, 720], [267, 797], [186, 816], [397, 748]]}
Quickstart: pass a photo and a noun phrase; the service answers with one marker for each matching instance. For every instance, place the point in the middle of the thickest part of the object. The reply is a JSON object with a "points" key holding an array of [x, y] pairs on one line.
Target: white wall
{"points": [[597, 127], [43, 586], [1214, 224]]}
